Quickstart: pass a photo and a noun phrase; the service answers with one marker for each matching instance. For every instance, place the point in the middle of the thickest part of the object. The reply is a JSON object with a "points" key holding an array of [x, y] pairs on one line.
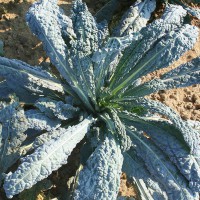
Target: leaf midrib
{"points": [[51, 153]]}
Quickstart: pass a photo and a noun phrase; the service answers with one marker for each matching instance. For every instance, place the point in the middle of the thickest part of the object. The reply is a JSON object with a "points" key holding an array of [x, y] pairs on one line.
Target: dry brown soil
{"points": [[21, 44]]}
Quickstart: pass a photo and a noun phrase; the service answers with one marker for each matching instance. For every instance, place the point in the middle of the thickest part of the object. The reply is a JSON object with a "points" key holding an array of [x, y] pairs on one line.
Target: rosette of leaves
{"points": [[99, 97]]}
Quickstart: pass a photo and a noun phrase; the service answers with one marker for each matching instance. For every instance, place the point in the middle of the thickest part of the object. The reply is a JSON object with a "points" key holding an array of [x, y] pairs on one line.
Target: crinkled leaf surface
{"points": [[97, 72], [173, 15], [182, 76], [86, 43], [58, 109], [117, 128], [83, 67], [66, 111], [161, 168], [146, 185], [153, 50], [100, 178], [46, 106], [104, 60], [38, 121], [107, 11], [144, 55], [135, 18], [168, 138], [13, 124], [194, 124], [46, 137], [193, 11], [107, 58], [185, 132], [85, 28], [103, 31], [45, 21], [26, 80], [46, 158]]}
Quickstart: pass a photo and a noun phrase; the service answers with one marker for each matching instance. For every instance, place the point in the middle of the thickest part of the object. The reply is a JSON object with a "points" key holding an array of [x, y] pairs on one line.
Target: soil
{"points": [[19, 43]]}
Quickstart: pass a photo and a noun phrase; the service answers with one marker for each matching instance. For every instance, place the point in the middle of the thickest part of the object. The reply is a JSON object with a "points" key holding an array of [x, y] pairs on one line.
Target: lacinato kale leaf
{"points": [[99, 98]]}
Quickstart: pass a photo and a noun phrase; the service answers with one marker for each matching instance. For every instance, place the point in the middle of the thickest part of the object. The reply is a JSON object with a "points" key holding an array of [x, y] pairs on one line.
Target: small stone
{"points": [[189, 106], [197, 106], [172, 96], [195, 97], [185, 116], [162, 97], [189, 98]]}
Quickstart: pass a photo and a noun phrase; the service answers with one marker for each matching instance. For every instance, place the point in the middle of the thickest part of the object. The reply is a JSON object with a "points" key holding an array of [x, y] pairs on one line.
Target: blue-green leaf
{"points": [[169, 139], [52, 109], [103, 31], [27, 81], [39, 121], [107, 11], [148, 188], [13, 124], [182, 76], [189, 135], [5, 90], [194, 124], [171, 46], [105, 61], [135, 18], [161, 168], [100, 178], [46, 137], [193, 11], [86, 43], [117, 128], [173, 14], [145, 55], [45, 20], [46, 158], [83, 67], [85, 28]]}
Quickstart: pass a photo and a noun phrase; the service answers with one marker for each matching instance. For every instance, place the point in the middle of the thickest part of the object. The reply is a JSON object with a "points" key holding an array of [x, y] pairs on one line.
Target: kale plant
{"points": [[98, 95]]}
